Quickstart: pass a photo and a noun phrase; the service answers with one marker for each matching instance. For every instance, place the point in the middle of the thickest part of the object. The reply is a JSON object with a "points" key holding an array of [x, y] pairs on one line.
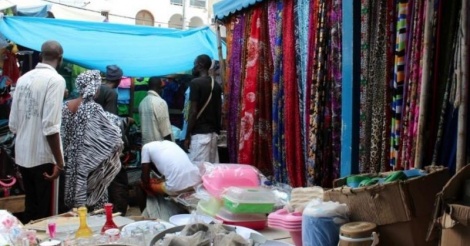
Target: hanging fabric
{"points": [[310, 161], [301, 15], [398, 82], [279, 151], [248, 102], [262, 140], [365, 116], [234, 83]]}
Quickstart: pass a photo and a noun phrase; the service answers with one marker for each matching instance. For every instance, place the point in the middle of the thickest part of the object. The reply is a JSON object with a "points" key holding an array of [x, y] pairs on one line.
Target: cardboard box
{"points": [[453, 217], [402, 210]]}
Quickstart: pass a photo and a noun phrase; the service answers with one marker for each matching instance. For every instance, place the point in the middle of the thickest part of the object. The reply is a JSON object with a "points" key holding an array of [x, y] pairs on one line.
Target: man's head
{"points": [[113, 75], [156, 84], [202, 64], [51, 53]]}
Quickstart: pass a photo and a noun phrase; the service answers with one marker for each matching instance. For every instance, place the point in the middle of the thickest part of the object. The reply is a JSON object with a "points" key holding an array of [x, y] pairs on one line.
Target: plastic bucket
{"points": [[296, 237]]}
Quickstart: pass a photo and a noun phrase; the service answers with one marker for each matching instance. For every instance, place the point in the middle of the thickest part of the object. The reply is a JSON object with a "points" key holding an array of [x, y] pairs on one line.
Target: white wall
{"points": [[161, 10]]}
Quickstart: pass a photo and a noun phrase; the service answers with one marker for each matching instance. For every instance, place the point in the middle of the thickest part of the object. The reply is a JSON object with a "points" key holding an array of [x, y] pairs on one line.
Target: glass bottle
{"points": [[83, 231], [108, 208]]}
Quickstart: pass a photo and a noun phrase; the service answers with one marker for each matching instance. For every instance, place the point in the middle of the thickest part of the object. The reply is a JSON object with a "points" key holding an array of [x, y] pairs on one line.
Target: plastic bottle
{"points": [[83, 231], [108, 208]]}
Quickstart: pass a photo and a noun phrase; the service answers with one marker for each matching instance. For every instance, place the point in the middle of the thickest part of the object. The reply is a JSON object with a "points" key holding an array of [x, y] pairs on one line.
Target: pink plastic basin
{"points": [[228, 175]]}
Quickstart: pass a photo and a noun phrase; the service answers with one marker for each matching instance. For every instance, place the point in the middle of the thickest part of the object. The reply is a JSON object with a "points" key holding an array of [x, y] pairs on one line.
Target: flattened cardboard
{"points": [[393, 202], [454, 218], [402, 210], [410, 233]]}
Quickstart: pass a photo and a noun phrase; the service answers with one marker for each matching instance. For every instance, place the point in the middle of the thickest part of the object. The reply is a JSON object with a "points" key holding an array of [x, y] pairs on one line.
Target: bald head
{"points": [[155, 84], [51, 51]]}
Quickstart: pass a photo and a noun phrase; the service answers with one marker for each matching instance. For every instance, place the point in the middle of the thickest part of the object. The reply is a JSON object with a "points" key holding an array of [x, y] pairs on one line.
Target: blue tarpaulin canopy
{"points": [[140, 51], [225, 8]]}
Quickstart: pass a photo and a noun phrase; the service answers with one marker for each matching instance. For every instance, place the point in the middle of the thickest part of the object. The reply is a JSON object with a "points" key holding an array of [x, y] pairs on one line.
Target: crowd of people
{"points": [[80, 140]]}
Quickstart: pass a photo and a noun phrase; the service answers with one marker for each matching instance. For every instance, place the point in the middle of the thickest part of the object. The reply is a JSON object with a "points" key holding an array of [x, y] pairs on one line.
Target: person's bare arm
{"points": [[51, 120], [54, 143], [145, 176], [191, 123]]}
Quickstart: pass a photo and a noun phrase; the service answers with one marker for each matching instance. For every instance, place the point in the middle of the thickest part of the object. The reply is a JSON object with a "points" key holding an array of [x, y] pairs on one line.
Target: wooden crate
{"points": [[13, 204]]}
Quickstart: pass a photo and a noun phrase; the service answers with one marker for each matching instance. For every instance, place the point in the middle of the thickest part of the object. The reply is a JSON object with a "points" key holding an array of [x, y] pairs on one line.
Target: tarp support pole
{"points": [[221, 55], [350, 88]]}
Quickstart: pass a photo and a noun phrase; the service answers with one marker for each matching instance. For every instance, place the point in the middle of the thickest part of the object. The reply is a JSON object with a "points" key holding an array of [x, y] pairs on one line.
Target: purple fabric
{"points": [[235, 82]]}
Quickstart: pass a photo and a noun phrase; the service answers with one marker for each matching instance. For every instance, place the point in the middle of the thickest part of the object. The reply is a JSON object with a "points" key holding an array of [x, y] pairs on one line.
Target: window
{"points": [[195, 22], [144, 18], [198, 3], [177, 2], [176, 21]]}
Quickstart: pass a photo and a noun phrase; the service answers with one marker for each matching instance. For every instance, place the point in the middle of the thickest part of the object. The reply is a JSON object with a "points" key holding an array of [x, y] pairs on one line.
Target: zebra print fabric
{"points": [[92, 145]]}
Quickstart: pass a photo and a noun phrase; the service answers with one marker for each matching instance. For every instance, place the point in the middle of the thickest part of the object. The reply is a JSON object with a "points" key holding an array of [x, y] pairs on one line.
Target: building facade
{"points": [[179, 14]]}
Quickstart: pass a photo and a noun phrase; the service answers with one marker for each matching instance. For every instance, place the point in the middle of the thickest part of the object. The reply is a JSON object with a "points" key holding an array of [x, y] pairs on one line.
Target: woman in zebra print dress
{"points": [[92, 145]]}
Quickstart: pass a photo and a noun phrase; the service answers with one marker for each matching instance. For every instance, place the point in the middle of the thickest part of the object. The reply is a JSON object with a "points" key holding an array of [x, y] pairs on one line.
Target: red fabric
{"points": [[248, 100], [263, 138], [294, 156], [10, 66]]}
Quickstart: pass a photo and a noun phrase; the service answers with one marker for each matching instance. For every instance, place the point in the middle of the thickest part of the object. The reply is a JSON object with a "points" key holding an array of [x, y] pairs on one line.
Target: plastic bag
{"points": [[221, 176], [321, 222]]}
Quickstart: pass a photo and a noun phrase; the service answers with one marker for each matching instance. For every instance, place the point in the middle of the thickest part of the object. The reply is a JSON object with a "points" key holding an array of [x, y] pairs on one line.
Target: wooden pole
{"points": [[425, 85], [221, 55], [463, 108]]}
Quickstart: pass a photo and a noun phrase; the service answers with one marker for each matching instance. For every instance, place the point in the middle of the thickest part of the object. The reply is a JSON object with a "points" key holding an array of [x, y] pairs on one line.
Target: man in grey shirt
{"points": [[107, 97]]}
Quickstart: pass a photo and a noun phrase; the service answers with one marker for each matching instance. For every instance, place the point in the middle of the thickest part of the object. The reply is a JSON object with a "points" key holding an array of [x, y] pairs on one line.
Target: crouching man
{"points": [[175, 172]]}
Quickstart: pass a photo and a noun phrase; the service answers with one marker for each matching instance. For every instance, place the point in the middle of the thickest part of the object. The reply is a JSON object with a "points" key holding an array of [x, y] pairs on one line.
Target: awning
{"points": [[225, 8], [140, 51]]}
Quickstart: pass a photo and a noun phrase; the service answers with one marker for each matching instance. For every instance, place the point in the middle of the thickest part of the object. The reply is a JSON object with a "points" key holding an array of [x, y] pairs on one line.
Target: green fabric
{"points": [[123, 109], [139, 95]]}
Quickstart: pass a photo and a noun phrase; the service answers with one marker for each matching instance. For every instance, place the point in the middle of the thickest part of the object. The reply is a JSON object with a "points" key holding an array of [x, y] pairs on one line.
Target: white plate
{"points": [[275, 243], [128, 228], [184, 219]]}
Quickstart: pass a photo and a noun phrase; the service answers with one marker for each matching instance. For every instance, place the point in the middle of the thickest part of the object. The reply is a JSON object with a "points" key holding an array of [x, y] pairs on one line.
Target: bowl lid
{"points": [[358, 229]]}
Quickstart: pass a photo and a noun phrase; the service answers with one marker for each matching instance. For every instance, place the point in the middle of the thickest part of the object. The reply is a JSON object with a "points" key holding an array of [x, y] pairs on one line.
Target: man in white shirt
{"points": [[154, 116], [35, 118], [177, 172]]}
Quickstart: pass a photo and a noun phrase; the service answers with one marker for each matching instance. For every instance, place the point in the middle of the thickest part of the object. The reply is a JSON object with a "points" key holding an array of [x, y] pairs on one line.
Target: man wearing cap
{"points": [[107, 97]]}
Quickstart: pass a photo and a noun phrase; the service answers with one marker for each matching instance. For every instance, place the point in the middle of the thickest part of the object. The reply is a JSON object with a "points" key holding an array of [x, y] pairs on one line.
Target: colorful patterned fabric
{"points": [[301, 30], [316, 117], [234, 83], [398, 82], [279, 151], [262, 140], [310, 161], [364, 122], [248, 101]]}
